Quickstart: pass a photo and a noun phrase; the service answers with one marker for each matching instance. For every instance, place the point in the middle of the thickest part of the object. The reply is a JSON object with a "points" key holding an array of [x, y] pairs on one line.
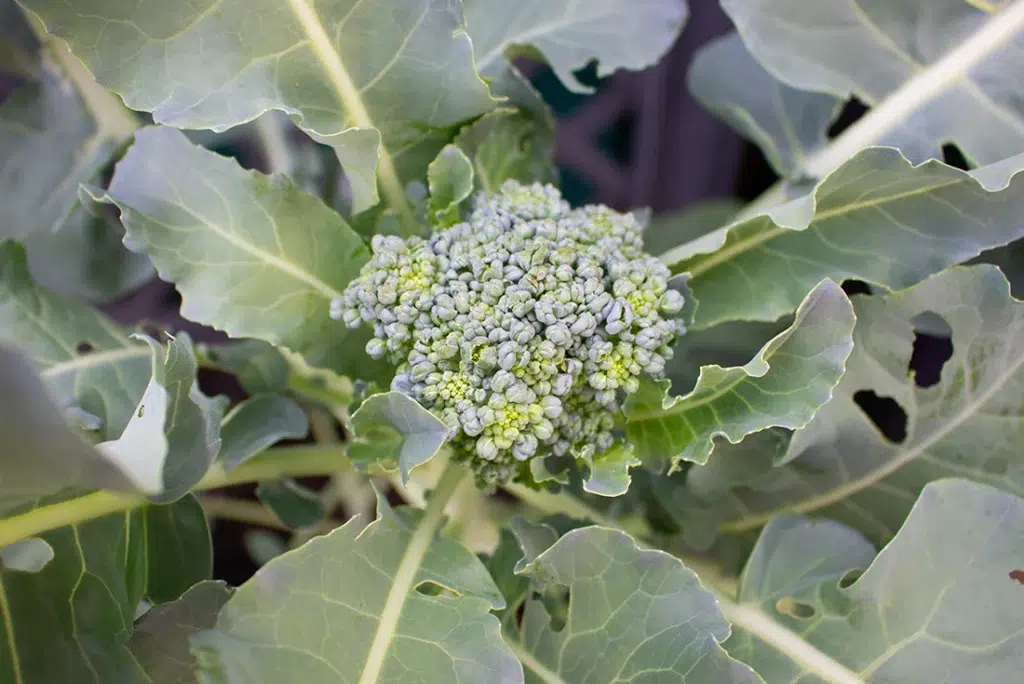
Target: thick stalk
{"points": [[294, 461]]}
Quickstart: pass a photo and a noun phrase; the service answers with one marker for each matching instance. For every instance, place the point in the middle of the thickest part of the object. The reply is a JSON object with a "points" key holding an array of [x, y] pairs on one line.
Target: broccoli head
{"points": [[521, 328]]}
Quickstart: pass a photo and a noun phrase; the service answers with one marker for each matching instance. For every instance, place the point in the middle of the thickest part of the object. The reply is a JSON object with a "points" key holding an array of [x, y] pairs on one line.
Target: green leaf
{"points": [[609, 470], [784, 385], [618, 34], [873, 49], [916, 219], [966, 425], [26, 555], [70, 621], [40, 455], [787, 124], [50, 142], [179, 552], [356, 592], [250, 254], [351, 73], [633, 615], [174, 435], [291, 503], [258, 423], [160, 641], [940, 602], [450, 179], [85, 359], [507, 144], [392, 428], [259, 366]]}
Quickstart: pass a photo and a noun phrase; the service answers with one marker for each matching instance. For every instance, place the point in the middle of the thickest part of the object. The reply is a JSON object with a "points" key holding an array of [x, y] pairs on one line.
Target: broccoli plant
{"points": [[474, 431]]}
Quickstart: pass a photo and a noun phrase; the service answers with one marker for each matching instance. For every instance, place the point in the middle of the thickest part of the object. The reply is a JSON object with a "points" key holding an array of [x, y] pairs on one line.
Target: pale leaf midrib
{"points": [[728, 252], [853, 486], [351, 100], [96, 358], [405, 575], [753, 620], [529, 661]]}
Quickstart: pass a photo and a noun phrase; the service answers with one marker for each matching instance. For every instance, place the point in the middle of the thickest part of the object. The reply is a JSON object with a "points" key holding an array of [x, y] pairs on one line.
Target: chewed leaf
{"points": [[345, 587], [873, 49], [174, 435], [966, 423], [784, 385], [632, 614], [787, 124], [937, 602], [351, 73], [392, 428], [450, 179]]}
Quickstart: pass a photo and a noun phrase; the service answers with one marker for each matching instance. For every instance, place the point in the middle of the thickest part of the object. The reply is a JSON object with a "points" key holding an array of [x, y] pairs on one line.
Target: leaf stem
{"points": [[352, 101], [295, 461], [408, 568]]}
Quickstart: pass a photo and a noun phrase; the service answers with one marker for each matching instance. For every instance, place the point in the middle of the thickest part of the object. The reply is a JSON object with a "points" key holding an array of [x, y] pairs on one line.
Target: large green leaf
{"points": [[966, 425], [618, 34], [633, 615], [391, 428], [876, 218], [40, 455], [939, 603], [787, 124], [870, 49], [50, 141], [86, 360], [70, 621], [160, 640], [174, 435], [350, 72], [345, 607], [788, 380], [250, 254]]}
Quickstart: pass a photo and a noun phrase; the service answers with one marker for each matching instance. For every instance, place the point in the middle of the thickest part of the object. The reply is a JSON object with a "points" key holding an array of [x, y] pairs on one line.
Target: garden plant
{"points": [[510, 438]]}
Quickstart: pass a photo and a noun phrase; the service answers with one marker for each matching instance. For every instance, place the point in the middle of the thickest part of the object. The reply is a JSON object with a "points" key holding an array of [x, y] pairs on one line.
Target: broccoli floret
{"points": [[522, 328]]}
